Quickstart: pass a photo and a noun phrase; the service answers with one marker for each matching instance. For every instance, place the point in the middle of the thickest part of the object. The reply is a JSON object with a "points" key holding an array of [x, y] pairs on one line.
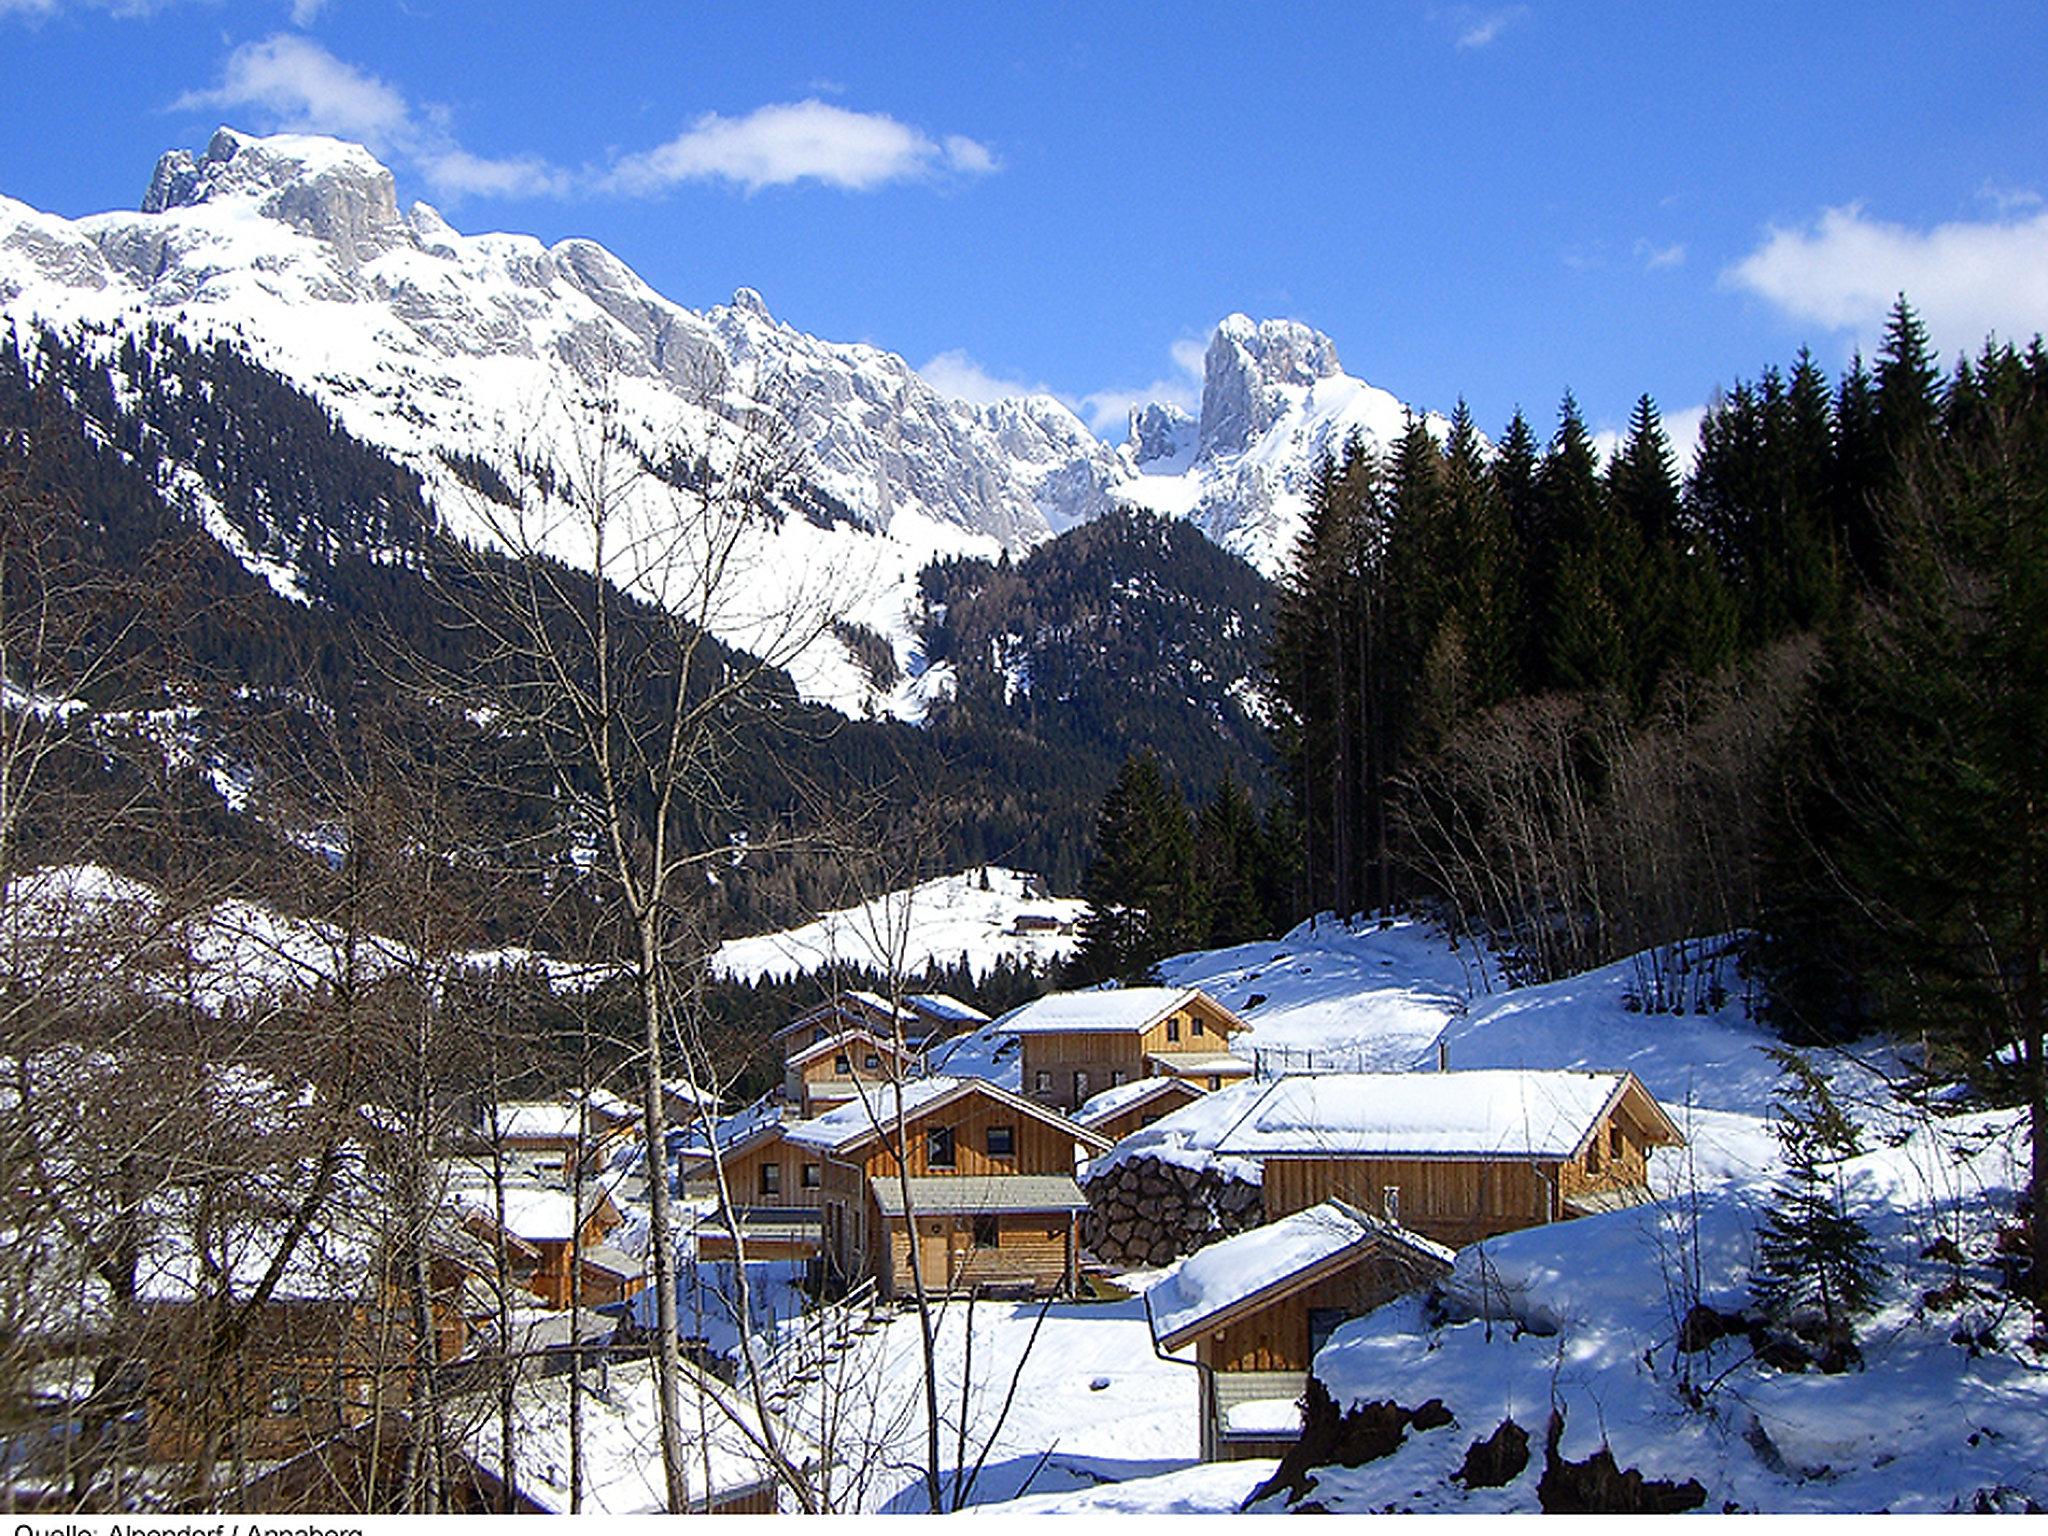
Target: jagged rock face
{"points": [[1159, 434], [1246, 376], [336, 193]]}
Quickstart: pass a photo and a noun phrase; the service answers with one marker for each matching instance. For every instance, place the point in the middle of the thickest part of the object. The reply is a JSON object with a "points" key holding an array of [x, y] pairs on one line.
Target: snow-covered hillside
{"points": [[979, 915], [444, 348]]}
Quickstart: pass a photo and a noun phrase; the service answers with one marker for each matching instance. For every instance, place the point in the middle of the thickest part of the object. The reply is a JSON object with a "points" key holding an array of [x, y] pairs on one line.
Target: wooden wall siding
{"points": [[750, 1501], [1041, 1147], [1599, 1166], [1138, 1116], [743, 1175], [1453, 1201], [1276, 1338], [1031, 1248], [1100, 1056]]}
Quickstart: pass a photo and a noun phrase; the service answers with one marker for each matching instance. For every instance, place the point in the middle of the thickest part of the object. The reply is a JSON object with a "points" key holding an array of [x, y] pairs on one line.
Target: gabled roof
{"points": [[1491, 1113], [1116, 1011], [1111, 1102], [1254, 1269], [848, 1126], [840, 1041], [855, 1007], [945, 1008]]}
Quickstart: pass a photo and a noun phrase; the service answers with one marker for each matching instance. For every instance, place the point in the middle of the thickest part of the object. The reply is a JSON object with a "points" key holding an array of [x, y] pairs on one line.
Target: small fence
{"points": [[799, 1353]]}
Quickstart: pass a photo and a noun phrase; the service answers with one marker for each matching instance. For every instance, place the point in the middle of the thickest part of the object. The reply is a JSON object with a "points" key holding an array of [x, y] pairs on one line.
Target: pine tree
{"points": [[1817, 1267]]}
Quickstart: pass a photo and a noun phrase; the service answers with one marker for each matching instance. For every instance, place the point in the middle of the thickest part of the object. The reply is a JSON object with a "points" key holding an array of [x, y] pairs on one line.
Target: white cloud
{"points": [[959, 377], [1480, 27], [1966, 280], [295, 85], [306, 12], [1658, 258], [789, 142], [1107, 410]]}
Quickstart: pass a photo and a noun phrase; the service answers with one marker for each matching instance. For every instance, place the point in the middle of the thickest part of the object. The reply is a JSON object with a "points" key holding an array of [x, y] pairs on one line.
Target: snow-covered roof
{"points": [[1262, 1265], [1489, 1113], [945, 1007], [1201, 1063], [980, 1194], [853, 1122], [990, 1052], [1114, 1101], [1120, 1010], [622, 1467]]}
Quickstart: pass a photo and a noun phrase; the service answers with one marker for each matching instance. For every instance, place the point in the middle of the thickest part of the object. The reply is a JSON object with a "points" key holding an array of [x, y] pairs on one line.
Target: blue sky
{"points": [[1497, 202]]}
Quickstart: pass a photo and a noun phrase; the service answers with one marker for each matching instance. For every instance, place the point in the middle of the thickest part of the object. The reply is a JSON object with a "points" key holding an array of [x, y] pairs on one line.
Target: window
{"points": [[1173, 1029], [1042, 1082], [810, 1178], [841, 1064], [1593, 1155], [1615, 1144], [1118, 1077], [1215, 1081], [872, 1062], [1390, 1202], [284, 1395], [1200, 1028], [771, 1178], [938, 1146], [1002, 1141], [1080, 1086], [988, 1232]]}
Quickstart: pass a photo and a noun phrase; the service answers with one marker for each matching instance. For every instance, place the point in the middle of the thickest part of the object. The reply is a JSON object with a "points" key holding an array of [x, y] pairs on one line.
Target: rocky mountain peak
{"points": [[1246, 375], [337, 193], [1158, 434]]}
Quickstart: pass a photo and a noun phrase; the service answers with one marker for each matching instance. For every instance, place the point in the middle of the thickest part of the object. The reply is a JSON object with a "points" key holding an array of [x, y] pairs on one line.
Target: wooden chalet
{"points": [[830, 1072], [841, 1012], [550, 1132], [1257, 1307], [1116, 1112], [979, 1191], [775, 1190], [1075, 1044], [330, 1342], [1456, 1156], [541, 1227]]}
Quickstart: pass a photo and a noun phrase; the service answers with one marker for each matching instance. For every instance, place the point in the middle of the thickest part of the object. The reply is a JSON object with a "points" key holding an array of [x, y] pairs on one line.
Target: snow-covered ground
{"points": [[971, 915], [1093, 1406]]}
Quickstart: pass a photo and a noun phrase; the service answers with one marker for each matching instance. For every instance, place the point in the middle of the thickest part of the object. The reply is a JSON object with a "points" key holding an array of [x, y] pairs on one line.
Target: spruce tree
{"points": [[1816, 1267], [1143, 901]]}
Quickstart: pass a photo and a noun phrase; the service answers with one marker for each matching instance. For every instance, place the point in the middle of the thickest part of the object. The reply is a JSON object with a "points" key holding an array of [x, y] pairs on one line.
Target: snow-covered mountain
{"points": [[443, 349]]}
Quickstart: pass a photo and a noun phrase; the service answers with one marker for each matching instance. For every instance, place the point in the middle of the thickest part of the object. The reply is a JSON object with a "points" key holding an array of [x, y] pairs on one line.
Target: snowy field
{"points": [[900, 933]]}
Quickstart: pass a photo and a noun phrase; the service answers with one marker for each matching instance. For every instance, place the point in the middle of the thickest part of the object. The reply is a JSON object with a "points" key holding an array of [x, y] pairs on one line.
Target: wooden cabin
{"points": [[1456, 1156], [1257, 1307], [830, 1072], [1116, 1112], [979, 1192], [550, 1132], [1075, 1044], [332, 1340], [541, 1227], [775, 1192], [841, 1012]]}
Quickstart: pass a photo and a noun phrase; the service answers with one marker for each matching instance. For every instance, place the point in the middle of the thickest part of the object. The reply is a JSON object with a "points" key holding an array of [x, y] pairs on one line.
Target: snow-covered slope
{"points": [[972, 915]]}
